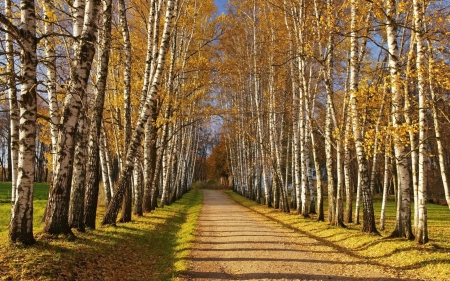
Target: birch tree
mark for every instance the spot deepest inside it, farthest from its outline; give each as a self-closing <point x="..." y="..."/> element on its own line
<point x="21" y="223"/>
<point x="368" y="212"/>
<point x="403" y="220"/>
<point x="50" y="65"/>
<point x="422" y="227"/>
<point x="126" y="210"/>
<point x="56" y="219"/>
<point x="95" y="142"/>
<point x="113" y="208"/>
<point x="13" y="106"/>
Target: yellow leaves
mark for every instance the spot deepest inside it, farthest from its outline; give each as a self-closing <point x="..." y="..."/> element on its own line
<point x="151" y="247"/>
<point x="441" y="74"/>
<point x="403" y="6"/>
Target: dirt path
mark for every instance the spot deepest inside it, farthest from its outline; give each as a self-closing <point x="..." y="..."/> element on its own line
<point x="234" y="243"/>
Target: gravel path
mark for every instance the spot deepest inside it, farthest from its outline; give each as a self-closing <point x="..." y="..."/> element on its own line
<point x="234" y="243"/>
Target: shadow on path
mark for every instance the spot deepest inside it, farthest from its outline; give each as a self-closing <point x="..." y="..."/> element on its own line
<point x="234" y="243"/>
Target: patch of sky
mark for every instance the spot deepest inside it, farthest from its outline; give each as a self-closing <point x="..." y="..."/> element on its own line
<point x="221" y="6"/>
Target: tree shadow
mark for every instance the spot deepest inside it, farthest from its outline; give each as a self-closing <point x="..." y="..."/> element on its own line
<point x="275" y="276"/>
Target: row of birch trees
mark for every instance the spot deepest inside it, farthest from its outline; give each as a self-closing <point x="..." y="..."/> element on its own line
<point x="344" y="97"/>
<point x="119" y="90"/>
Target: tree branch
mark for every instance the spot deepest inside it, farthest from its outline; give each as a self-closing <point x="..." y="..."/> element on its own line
<point x="10" y="28"/>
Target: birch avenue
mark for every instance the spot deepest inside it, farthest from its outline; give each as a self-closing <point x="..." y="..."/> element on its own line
<point x="113" y="208"/>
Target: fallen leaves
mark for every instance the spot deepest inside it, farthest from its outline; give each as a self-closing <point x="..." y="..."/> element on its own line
<point x="145" y="249"/>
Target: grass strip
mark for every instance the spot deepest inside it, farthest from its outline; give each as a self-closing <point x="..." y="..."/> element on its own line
<point x="427" y="262"/>
<point x="151" y="247"/>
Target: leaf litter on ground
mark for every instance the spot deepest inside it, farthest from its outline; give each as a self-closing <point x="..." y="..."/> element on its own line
<point x="151" y="247"/>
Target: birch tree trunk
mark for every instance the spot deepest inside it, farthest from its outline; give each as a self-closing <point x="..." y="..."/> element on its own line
<point x="411" y="130"/>
<point x="150" y="139"/>
<point x="108" y="158"/>
<point x="50" y="65"/>
<point x="150" y="158"/>
<point x="13" y="107"/>
<point x="328" y="121"/>
<point x="303" y="204"/>
<point x="156" y="176"/>
<point x="422" y="226"/>
<point x="347" y="179"/>
<point x="275" y="151"/>
<point x="319" y="206"/>
<point x="165" y="161"/>
<point x="386" y="180"/>
<point x="127" y="201"/>
<point x="138" y="188"/>
<point x="437" y="130"/>
<point x="105" y="176"/>
<point x="368" y="212"/>
<point x="113" y="208"/>
<point x="56" y="218"/>
<point x="403" y="220"/>
<point x="258" y="103"/>
<point x="308" y="145"/>
<point x="92" y="184"/>
<point x="21" y="223"/>
<point x="339" y="212"/>
<point x="76" y="203"/>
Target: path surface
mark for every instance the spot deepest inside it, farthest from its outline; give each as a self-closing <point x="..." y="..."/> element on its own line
<point x="234" y="243"/>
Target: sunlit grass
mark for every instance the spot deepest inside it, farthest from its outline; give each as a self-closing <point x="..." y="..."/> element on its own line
<point x="40" y="196"/>
<point x="151" y="247"/>
<point x="429" y="262"/>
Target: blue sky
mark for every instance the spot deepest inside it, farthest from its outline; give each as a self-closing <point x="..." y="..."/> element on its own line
<point x="221" y="4"/>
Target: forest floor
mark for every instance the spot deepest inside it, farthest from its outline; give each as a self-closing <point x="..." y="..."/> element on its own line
<point x="150" y="247"/>
<point x="235" y="243"/>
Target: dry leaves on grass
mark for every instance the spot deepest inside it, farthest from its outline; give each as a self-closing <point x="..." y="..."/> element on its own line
<point x="144" y="249"/>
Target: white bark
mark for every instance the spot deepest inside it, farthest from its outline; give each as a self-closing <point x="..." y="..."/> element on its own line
<point x="50" y="64"/>
<point x="104" y="143"/>
<point x="368" y="213"/>
<point x="411" y="130"/>
<point x="13" y="107"/>
<point x="111" y="214"/>
<point x="328" y="61"/>
<point x="437" y="131"/>
<point x="422" y="226"/>
<point x="92" y="184"/>
<point x="21" y="223"/>
<point x="403" y="220"/>
<point x="105" y="177"/>
<point x="386" y="180"/>
<point x="78" y="184"/>
<point x="150" y="153"/>
<point x="302" y="132"/>
<point x="308" y="143"/>
<point x="347" y="179"/>
<point x="138" y="187"/>
<point x="328" y="121"/>
<point x="166" y="159"/>
<point x="56" y="220"/>
<point x="339" y="213"/>
<point x="126" y="215"/>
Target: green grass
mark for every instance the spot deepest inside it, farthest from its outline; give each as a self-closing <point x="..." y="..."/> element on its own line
<point x="428" y="262"/>
<point x="40" y="192"/>
<point x="151" y="247"/>
<point x="40" y="196"/>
